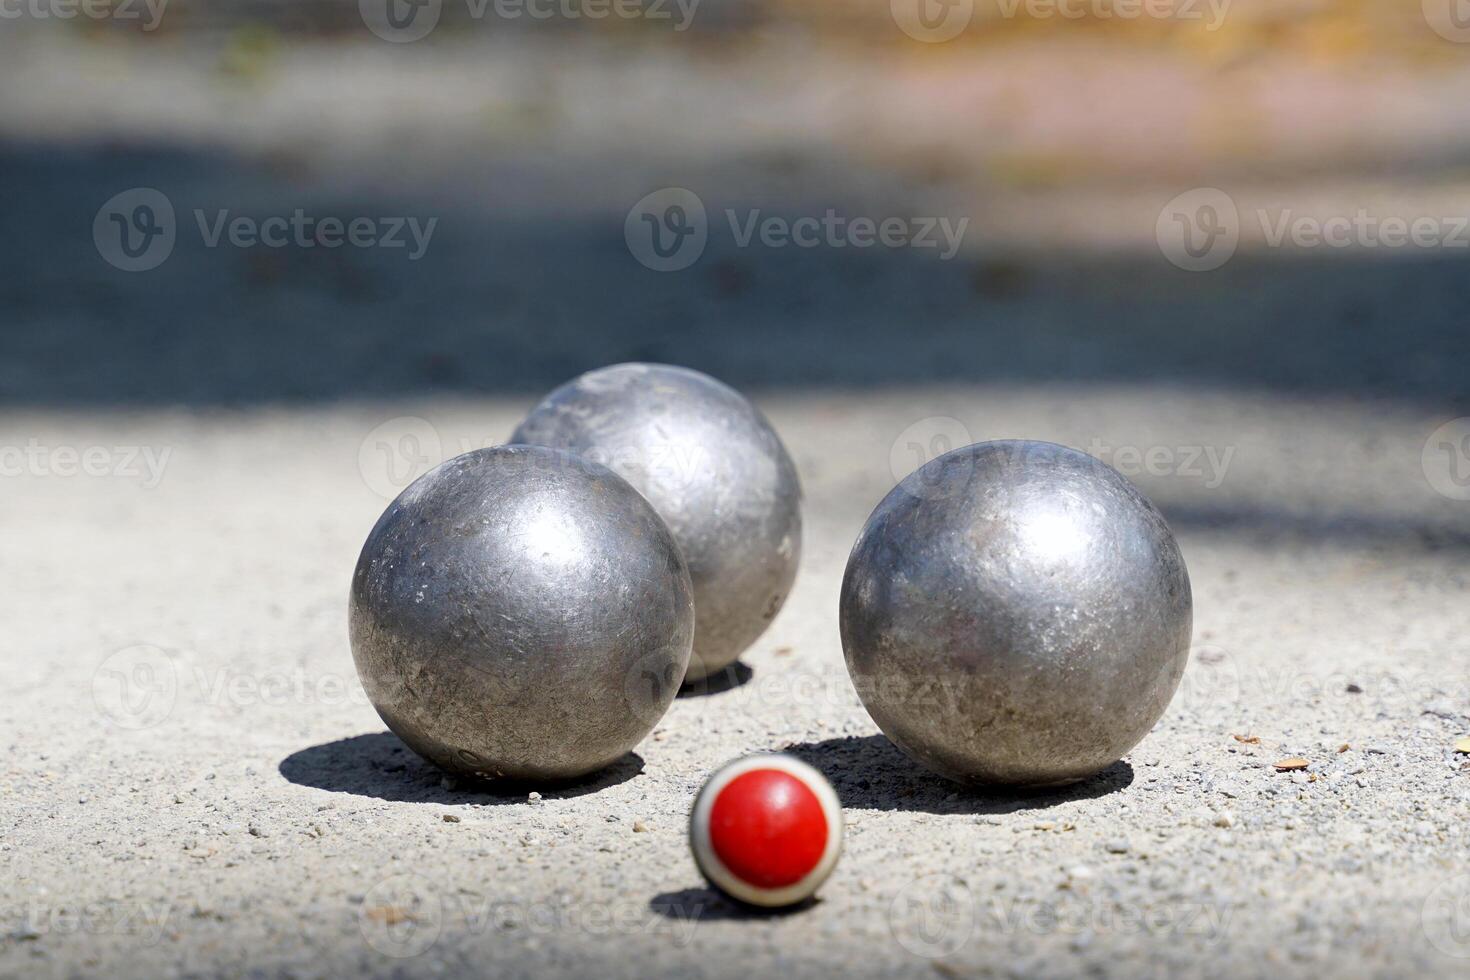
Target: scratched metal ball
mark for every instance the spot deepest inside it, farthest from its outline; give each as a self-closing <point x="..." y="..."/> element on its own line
<point x="716" y="472"/>
<point x="1016" y="612"/>
<point x="521" y="612"/>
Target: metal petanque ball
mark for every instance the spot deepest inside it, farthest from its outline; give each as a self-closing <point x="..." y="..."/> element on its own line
<point x="521" y="612"/>
<point x="1016" y="612"/>
<point x="712" y="467"/>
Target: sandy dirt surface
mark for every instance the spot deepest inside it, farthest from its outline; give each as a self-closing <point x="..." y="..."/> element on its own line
<point x="193" y="782"/>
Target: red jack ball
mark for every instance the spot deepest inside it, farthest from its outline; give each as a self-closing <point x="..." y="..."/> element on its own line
<point x="766" y="830"/>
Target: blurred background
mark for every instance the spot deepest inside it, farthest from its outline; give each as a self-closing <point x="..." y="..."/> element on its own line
<point x="1057" y="130"/>
<point x="265" y="262"/>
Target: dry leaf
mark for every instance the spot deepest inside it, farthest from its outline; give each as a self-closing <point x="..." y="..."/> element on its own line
<point x="1248" y="739"/>
<point x="1288" y="765"/>
<point x="389" y="915"/>
<point x="1462" y="744"/>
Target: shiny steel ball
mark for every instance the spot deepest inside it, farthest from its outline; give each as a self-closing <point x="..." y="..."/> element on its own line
<point x="521" y="612"/>
<point x="766" y="830"/>
<point x="1016" y="612"/>
<point x="712" y="467"/>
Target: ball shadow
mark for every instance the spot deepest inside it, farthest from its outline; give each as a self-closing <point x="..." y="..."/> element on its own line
<point x="707" y="904"/>
<point x="379" y="765"/>
<point x="871" y="773"/>
<point x="725" y="679"/>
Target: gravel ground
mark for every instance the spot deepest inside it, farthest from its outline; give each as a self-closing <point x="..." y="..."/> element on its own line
<point x="242" y="810"/>
<point x="194" y="784"/>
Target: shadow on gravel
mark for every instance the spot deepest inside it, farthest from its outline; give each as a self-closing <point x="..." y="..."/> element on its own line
<point x="381" y="766"/>
<point x="214" y="324"/>
<point x="706" y="904"/>
<point x="1270" y="526"/>
<point x="731" y="677"/>
<point x="871" y="773"/>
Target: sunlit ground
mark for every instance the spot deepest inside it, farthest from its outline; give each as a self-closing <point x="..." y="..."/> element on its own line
<point x="1228" y="259"/>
